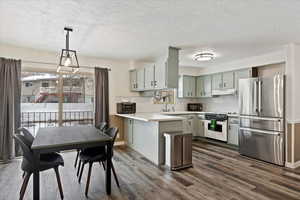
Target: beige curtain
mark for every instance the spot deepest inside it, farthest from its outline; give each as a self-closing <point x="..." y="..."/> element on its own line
<point x="101" y="96"/>
<point x="10" y="103"/>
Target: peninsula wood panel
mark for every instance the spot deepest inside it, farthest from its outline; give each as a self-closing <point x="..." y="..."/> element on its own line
<point x="116" y="121"/>
<point x="218" y="174"/>
<point x="297" y="142"/>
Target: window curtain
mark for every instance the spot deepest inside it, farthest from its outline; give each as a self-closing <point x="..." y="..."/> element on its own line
<point x="101" y="96"/>
<point x="10" y="103"/>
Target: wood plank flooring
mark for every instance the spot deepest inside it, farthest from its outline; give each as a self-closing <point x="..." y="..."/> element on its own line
<point x="218" y="174"/>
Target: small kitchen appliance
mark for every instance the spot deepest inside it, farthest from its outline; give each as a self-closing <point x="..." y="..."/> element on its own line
<point x="126" y="108"/>
<point x="196" y="107"/>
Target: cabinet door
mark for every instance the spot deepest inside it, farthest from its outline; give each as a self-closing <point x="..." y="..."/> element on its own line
<point x="149" y="77"/>
<point x="228" y="80"/>
<point x="207" y="86"/>
<point x="133" y="80"/>
<point x="200" y="86"/>
<point x="192" y="86"/>
<point x="186" y="86"/>
<point x="140" y="79"/>
<point x="128" y="129"/>
<point x="200" y="128"/>
<point x="160" y="75"/>
<point x="217" y="83"/>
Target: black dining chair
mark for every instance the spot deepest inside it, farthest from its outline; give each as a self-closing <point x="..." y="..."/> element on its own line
<point x="91" y="155"/>
<point x="47" y="161"/>
<point x="102" y="127"/>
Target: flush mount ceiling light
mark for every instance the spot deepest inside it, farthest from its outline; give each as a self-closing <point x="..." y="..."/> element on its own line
<point x="204" y="56"/>
<point x="68" y="62"/>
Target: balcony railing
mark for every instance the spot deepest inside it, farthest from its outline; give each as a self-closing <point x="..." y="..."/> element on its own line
<point x="52" y="90"/>
<point x="35" y="120"/>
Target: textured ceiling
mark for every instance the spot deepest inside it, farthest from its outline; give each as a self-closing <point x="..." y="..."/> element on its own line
<point x="142" y="30"/>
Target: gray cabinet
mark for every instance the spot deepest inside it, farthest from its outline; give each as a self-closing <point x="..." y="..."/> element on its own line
<point x="187" y="86"/>
<point x="128" y="130"/>
<point x="217" y="82"/>
<point x="133" y="80"/>
<point x="140" y="73"/>
<point x="233" y="131"/>
<point x="149" y="77"/>
<point x="228" y="80"/>
<point x="203" y="86"/>
<point x="162" y="74"/>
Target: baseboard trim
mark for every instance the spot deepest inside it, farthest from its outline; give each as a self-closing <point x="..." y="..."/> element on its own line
<point x="293" y="165"/>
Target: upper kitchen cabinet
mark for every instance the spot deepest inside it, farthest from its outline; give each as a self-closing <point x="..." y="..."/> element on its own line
<point x="149" y="77"/>
<point x="133" y="79"/>
<point x="162" y="74"/>
<point x="203" y="86"/>
<point x="223" y="83"/>
<point x="140" y="74"/>
<point x="187" y="86"/>
<point x="137" y="79"/>
<point x="228" y="80"/>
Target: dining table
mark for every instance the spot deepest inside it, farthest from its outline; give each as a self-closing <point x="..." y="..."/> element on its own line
<point x="56" y="139"/>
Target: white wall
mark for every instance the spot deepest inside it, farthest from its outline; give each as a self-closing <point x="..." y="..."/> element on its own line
<point x="293" y="83"/>
<point x="265" y="59"/>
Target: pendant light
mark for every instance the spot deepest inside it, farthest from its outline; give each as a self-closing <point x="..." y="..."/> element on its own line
<point x="68" y="62"/>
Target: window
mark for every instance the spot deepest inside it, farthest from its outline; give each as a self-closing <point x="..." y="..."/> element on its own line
<point x="28" y="84"/>
<point x="40" y="102"/>
<point x="45" y="84"/>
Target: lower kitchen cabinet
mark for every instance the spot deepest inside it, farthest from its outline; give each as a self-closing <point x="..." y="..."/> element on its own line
<point x="233" y="131"/>
<point x="147" y="137"/>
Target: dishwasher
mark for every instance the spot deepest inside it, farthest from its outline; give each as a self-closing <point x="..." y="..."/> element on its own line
<point x="233" y="131"/>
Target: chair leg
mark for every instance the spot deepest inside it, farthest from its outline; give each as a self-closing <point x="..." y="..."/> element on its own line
<point x="103" y="165"/>
<point x="59" y="182"/>
<point x="24" y="185"/>
<point x="23" y="175"/>
<point x="88" y="179"/>
<point x="79" y="165"/>
<point x="115" y="175"/>
<point x="76" y="160"/>
<point x="82" y="167"/>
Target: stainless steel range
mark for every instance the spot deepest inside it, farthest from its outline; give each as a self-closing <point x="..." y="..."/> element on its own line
<point x="216" y="126"/>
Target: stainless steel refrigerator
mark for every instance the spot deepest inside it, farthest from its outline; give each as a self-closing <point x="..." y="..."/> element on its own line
<point x="262" y="118"/>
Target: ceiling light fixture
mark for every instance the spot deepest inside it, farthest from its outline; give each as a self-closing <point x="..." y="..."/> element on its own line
<point x="68" y="62"/>
<point x="204" y="56"/>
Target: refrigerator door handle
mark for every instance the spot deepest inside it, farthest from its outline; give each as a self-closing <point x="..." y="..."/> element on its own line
<point x="262" y="118"/>
<point x="255" y="96"/>
<point x="261" y="131"/>
<point x="259" y="96"/>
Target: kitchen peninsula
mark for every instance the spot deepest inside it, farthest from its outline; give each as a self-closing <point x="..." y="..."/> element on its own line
<point x="144" y="133"/>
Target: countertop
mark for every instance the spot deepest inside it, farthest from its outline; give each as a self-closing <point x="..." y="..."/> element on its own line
<point x="151" y="117"/>
<point x="166" y="116"/>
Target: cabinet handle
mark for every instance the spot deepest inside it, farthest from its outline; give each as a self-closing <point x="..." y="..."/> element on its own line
<point x="224" y="84"/>
<point x="151" y="83"/>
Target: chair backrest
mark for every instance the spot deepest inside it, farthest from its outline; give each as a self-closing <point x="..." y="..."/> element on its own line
<point x="112" y="132"/>
<point x="28" y="136"/>
<point x="102" y="126"/>
<point x="27" y="153"/>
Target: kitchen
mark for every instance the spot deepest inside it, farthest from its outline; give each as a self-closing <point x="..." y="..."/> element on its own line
<point x="216" y="109"/>
<point x="150" y="100"/>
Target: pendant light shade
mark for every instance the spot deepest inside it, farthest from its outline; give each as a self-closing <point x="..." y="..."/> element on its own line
<point x="68" y="62"/>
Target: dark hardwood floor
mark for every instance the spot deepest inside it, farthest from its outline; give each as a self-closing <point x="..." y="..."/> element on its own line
<point x="218" y="174"/>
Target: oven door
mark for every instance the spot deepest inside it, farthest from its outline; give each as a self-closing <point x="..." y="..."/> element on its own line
<point x="218" y="133"/>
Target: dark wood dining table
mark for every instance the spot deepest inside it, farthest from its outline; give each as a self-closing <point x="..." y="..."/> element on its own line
<point x="65" y="138"/>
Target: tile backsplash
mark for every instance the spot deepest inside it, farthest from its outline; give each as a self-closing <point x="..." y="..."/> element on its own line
<point x="145" y="104"/>
<point x="227" y="103"/>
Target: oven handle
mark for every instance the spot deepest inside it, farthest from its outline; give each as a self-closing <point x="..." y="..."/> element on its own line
<point x="261" y="131"/>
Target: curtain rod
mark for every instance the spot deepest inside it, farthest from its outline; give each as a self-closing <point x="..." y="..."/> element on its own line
<point x="50" y="63"/>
